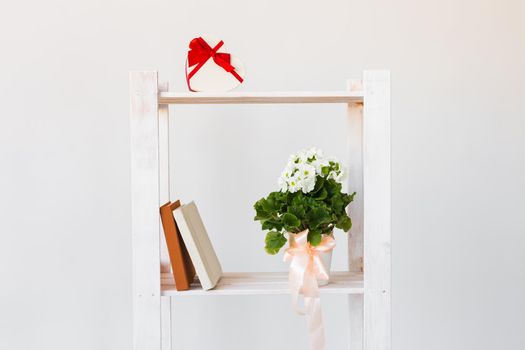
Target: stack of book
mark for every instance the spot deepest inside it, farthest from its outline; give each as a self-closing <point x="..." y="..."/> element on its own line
<point x="189" y="246"/>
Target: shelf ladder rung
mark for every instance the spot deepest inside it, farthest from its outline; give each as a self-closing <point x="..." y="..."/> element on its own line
<point x="260" y="97"/>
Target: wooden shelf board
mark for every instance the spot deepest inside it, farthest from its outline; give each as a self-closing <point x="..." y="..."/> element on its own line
<point x="260" y="97"/>
<point x="259" y="283"/>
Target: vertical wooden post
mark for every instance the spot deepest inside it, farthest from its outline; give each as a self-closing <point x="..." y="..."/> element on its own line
<point x="377" y="215"/>
<point x="164" y="174"/>
<point x="145" y="210"/>
<point x="164" y="197"/>
<point x="355" y="239"/>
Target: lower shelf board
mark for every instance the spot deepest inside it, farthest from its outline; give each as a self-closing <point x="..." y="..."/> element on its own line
<point x="260" y="283"/>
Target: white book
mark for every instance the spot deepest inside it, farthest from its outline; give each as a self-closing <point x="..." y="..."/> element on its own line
<point x="202" y="254"/>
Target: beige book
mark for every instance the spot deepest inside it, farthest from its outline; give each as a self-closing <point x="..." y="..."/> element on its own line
<point x="199" y="246"/>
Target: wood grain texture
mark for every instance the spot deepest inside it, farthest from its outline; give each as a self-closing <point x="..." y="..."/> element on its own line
<point x="261" y="283"/>
<point x="144" y="210"/>
<point x="355" y="210"/>
<point x="377" y="211"/>
<point x="260" y="97"/>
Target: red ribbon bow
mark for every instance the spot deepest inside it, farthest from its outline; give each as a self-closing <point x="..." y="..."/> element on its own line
<point x="200" y="52"/>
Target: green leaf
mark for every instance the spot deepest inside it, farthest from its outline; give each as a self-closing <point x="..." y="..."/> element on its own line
<point x="333" y="187"/>
<point x="269" y="205"/>
<point x="319" y="183"/>
<point x="314" y="237"/>
<point x="349" y="198"/>
<point x="296" y="198"/>
<point x="297" y="210"/>
<point x="273" y="203"/>
<point x="318" y="216"/>
<point x="321" y="195"/>
<point x="272" y="225"/>
<point x="290" y="220"/>
<point x="337" y="203"/>
<point x="261" y="214"/>
<point x="274" y="242"/>
<point x="344" y="223"/>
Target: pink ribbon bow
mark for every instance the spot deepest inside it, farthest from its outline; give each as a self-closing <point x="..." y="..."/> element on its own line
<point x="306" y="267"/>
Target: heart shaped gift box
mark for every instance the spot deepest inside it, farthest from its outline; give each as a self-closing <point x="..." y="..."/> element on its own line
<point x="209" y="68"/>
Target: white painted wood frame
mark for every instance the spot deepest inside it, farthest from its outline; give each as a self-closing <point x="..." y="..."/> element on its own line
<point x="368" y="247"/>
<point x="164" y="197"/>
<point x="377" y="210"/>
<point x="355" y="209"/>
<point x="145" y="231"/>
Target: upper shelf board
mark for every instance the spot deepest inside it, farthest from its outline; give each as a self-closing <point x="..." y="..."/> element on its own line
<point x="260" y="97"/>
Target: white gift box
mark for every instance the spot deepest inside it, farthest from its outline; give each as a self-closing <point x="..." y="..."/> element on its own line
<point x="212" y="68"/>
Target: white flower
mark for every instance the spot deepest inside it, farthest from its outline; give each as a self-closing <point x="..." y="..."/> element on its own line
<point x="332" y="175"/>
<point x="306" y="176"/>
<point x="319" y="164"/>
<point x="283" y="185"/>
<point x="293" y="159"/>
<point x="287" y="173"/>
<point x="308" y="185"/>
<point x="284" y="178"/>
<point x="341" y="176"/>
<point x="293" y="185"/>
<point x="302" y="169"/>
<point x="306" y="170"/>
<point x="314" y="154"/>
<point x="297" y="158"/>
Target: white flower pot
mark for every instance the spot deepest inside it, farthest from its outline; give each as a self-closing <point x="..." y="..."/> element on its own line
<point x="326" y="258"/>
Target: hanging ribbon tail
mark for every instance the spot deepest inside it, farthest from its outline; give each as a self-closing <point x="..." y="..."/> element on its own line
<point x="223" y="59"/>
<point x="298" y="265"/>
<point x="306" y="267"/>
<point x="314" y="321"/>
<point x="312" y="301"/>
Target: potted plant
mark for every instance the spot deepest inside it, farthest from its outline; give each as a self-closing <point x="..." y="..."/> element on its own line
<point x="309" y="203"/>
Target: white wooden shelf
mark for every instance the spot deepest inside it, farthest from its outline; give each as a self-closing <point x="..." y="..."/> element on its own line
<point x="260" y="97"/>
<point x="259" y="283"/>
<point x="367" y="103"/>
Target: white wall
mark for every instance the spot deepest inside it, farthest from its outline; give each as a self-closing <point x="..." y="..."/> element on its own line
<point x="458" y="147"/>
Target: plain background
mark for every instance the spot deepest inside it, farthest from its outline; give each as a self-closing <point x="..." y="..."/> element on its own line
<point x="458" y="170"/>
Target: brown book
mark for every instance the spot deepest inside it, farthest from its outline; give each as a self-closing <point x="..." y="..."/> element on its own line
<point x="181" y="265"/>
